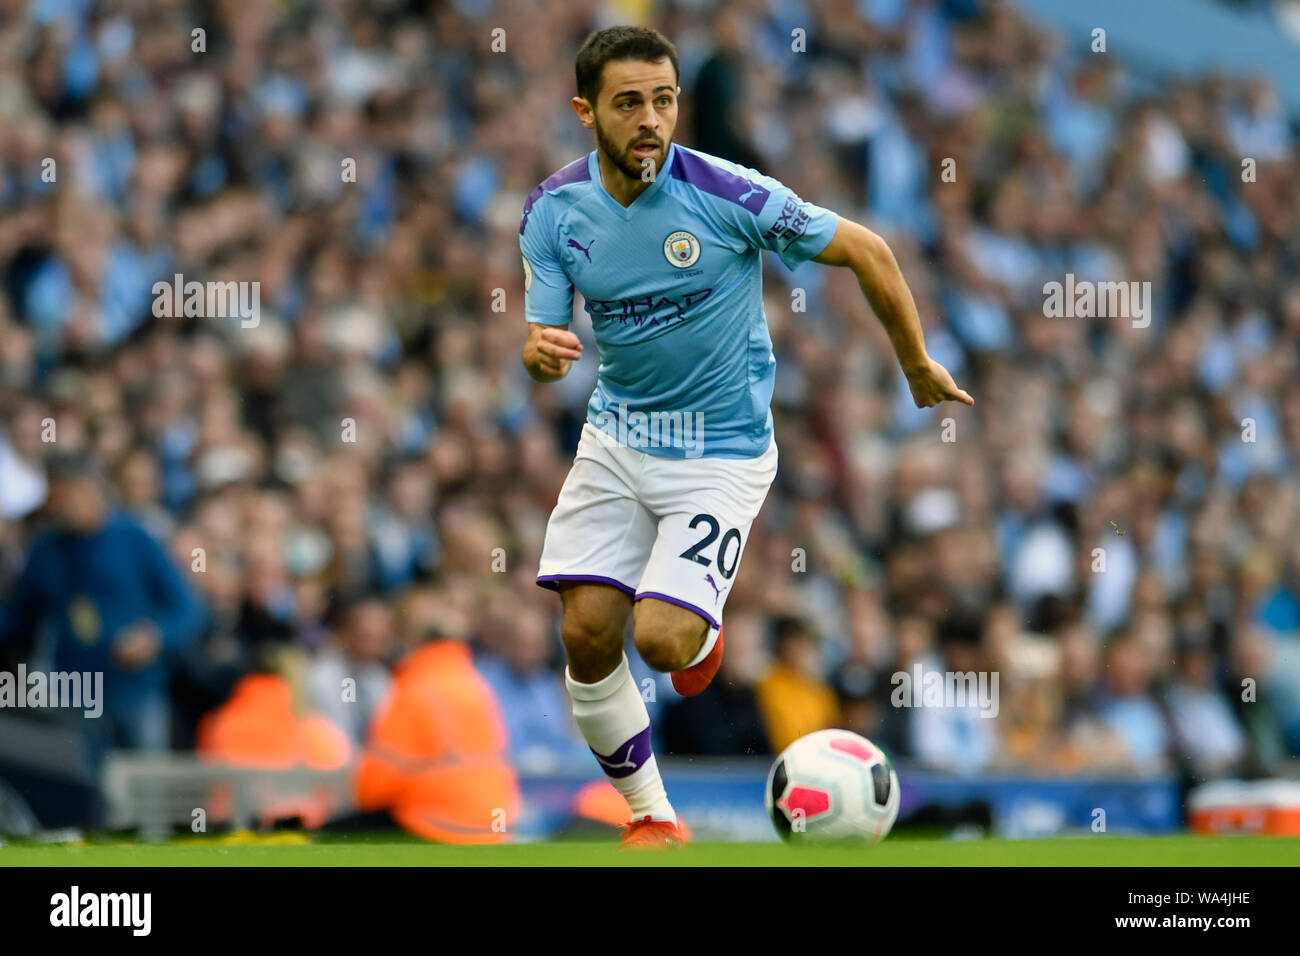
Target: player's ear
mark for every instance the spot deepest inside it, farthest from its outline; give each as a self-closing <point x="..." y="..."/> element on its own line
<point x="583" y="109"/>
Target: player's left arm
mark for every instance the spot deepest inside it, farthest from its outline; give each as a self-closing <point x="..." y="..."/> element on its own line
<point x="873" y="262"/>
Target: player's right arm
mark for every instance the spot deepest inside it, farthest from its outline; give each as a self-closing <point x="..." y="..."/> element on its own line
<point x="551" y="348"/>
<point x="550" y="351"/>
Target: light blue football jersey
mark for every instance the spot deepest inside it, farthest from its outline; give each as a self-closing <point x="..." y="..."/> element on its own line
<point x="674" y="287"/>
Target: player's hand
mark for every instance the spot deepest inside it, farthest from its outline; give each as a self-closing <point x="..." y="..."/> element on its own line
<point x="136" y="646"/>
<point x="550" y="353"/>
<point x="931" y="384"/>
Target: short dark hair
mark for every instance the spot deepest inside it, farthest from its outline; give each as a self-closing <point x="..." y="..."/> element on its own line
<point x="343" y="605"/>
<point x="619" y="43"/>
<point x="77" y="465"/>
<point x="959" y="629"/>
<point x="789" y="627"/>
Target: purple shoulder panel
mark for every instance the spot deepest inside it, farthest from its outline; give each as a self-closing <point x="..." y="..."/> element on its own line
<point x="703" y="175"/>
<point x="575" y="172"/>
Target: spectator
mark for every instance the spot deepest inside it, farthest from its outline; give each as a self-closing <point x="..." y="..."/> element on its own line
<point x="348" y="681"/>
<point x="23" y="488"/>
<point x="1086" y="742"/>
<point x="914" y="640"/>
<point x="436" y="756"/>
<point x="538" y="715"/>
<point x="403" y="536"/>
<point x="719" y="94"/>
<point x="861" y="681"/>
<point x="1260" y="712"/>
<point x="112" y="601"/>
<point x="1127" y="705"/>
<point x="792" y="695"/>
<point x="263" y="726"/>
<point x="960" y="735"/>
<point x="1207" y="738"/>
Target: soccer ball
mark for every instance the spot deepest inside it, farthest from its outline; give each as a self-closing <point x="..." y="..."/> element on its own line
<point x="832" y="786"/>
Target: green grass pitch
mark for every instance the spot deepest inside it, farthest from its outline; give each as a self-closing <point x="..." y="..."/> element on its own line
<point x="1084" y="850"/>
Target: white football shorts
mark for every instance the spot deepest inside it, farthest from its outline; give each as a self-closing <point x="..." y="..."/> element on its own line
<point x="667" y="528"/>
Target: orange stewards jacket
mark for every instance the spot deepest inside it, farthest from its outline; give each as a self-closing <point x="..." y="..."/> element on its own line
<point x="436" y="753"/>
<point x="257" y="728"/>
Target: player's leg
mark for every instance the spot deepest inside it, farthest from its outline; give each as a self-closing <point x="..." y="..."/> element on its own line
<point x="680" y="641"/>
<point x="598" y="540"/>
<point x="592" y="628"/>
<point x="668" y="637"/>
<point x="707" y="507"/>
<point x="607" y="703"/>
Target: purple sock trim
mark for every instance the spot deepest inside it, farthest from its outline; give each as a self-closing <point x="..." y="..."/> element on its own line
<point x="628" y="757"/>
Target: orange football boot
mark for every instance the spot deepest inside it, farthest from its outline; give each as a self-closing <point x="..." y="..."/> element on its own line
<point x="650" y="834"/>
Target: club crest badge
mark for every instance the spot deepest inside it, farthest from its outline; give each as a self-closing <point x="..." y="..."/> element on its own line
<point x="681" y="249"/>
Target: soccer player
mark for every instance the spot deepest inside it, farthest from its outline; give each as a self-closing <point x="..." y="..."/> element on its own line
<point x="677" y="453"/>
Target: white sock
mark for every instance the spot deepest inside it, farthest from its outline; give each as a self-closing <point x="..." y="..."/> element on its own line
<point x="614" y="720"/>
<point x="710" y="641"/>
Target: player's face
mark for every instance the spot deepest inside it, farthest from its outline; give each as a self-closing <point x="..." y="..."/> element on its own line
<point x="635" y="114"/>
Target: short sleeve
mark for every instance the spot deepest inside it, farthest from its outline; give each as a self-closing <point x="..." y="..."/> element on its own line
<point x="794" y="229"/>
<point x="548" y="293"/>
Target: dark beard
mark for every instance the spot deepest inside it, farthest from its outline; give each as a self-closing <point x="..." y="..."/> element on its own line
<point x="628" y="164"/>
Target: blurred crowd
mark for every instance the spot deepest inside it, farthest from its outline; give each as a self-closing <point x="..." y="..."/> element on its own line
<point x="1112" y="529"/>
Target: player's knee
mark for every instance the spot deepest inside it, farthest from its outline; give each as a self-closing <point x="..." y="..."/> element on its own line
<point x="667" y="641"/>
<point x="590" y="640"/>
